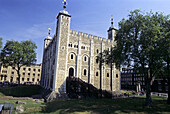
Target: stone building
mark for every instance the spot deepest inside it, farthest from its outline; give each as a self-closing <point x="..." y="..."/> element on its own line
<point x="31" y="74"/>
<point x="74" y="54"/>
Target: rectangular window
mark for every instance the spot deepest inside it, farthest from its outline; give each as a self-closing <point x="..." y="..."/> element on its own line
<point x="4" y="71"/>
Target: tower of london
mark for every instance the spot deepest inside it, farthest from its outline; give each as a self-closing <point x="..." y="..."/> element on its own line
<point x="74" y="54"/>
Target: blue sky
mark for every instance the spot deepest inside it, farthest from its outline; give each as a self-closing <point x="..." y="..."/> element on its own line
<point x="30" y="19"/>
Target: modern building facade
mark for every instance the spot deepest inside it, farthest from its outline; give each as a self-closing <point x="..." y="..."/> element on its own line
<point x="74" y="54"/>
<point x="131" y="80"/>
<point x="31" y="74"/>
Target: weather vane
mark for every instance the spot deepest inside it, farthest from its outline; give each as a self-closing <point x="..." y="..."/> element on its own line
<point x="112" y="20"/>
<point x="65" y="3"/>
<point x="49" y="31"/>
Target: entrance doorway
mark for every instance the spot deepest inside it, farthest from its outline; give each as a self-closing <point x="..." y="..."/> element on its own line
<point x="71" y="72"/>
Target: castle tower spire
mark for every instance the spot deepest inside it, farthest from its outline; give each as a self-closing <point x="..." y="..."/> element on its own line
<point x="111" y="31"/>
<point x="48" y="39"/>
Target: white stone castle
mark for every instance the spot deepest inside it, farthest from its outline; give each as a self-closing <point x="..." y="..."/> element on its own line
<point x="74" y="54"/>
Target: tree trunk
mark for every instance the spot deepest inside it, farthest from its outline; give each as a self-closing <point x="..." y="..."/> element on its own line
<point x="148" y="89"/>
<point x="168" y="100"/>
<point x="148" y="94"/>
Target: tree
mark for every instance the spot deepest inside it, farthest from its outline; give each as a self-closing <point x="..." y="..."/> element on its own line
<point x="0" y="42"/>
<point x="165" y="45"/>
<point x="17" y="54"/>
<point x="138" y="45"/>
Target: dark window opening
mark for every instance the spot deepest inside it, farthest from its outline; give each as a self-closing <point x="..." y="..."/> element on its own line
<point x="71" y="56"/>
<point x="116" y="75"/>
<point x="97" y="73"/>
<point x="85" y="72"/>
<point x="107" y="74"/>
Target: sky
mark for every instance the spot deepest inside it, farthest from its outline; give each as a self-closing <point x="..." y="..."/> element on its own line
<point x="30" y="19"/>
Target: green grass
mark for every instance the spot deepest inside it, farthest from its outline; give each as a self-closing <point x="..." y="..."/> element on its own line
<point x="127" y="105"/>
<point x="29" y="107"/>
<point x="99" y="106"/>
<point x="85" y="106"/>
<point x="20" y="91"/>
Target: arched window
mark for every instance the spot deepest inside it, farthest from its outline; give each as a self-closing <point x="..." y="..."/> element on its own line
<point x="85" y="72"/>
<point x="107" y="74"/>
<point x="97" y="61"/>
<point x="97" y="73"/>
<point x="72" y="56"/>
<point x="85" y="58"/>
<point x="97" y="51"/>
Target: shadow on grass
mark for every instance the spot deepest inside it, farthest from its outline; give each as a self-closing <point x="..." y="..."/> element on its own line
<point x="21" y="91"/>
<point x="126" y="105"/>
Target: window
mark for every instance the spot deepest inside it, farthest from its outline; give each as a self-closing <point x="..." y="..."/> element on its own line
<point x="85" y="58"/>
<point x="5" y="66"/>
<point x="22" y="79"/>
<point x="29" y="69"/>
<point x="97" y="73"/>
<point x="107" y="74"/>
<point x="62" y="47"/>
<point x="28" y="79"/>
<point x="116" y="75"/>
<point x="23" y="73"/>
<point x="29" y="74"/>
<point x="38" y="74"/>
<point x="11" y="79"/>
<point x="82" y="47"/>
<point x="97" y="51"/>
<point x="33" y="79"/>
<point x="12" y="73"/>
<point x="4" y="71"/>
<point x="97" y="61"/>
<point x="38" y="70"/>
<point x="34" y="69"/>
<point x="13" y="67"/>
<point x="33" y="74"/>
<point x="24" y="68"/>
<point x="5" y="77"/>
<point x="85" y="72"/>
<point x="75" y="46"/>
<point x="1" y="77"/>
<point x="37" y="80"/>
<point x="72" y="56"/>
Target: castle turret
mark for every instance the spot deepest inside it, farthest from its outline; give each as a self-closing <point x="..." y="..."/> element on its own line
<point x="48" y="39"/>
<point x="62" y="39"/>
<point x="111" y="31"/>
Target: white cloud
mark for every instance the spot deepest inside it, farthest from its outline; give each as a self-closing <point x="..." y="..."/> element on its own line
<point x="36" y="31"/>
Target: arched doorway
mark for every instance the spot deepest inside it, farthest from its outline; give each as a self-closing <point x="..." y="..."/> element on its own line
<point x="71" y="72"/>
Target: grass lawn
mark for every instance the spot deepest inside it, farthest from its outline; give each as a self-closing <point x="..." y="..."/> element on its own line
<point x="87" y="106"/>
<point x="102" y="106"/>
<point x="98" y="106"/>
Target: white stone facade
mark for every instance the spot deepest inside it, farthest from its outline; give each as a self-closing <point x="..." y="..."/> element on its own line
<point x="72" y="53"/>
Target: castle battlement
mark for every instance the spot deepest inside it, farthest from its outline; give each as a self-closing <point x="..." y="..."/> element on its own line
<point x="90" y="36"/>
